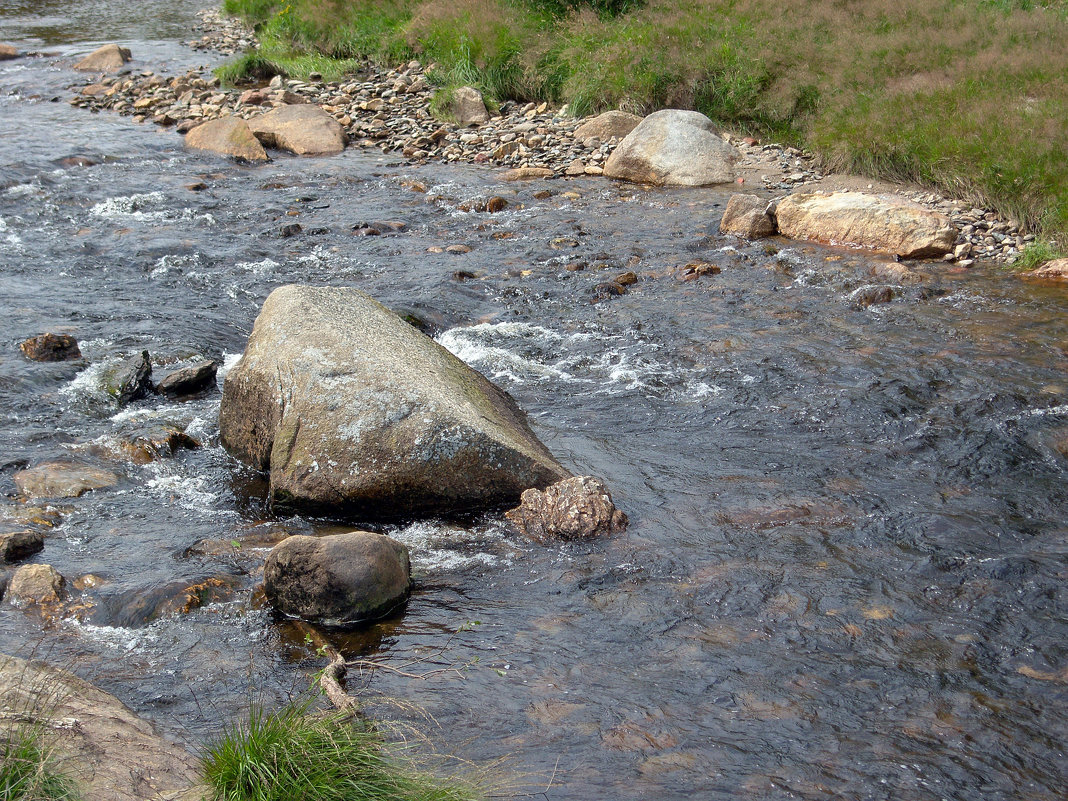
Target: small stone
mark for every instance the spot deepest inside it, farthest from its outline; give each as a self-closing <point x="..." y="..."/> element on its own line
<point x="36" y="584"/>
<point x="574" y="508"/>
<point x="51" y="348"/>
<point x="292" y="229"/>
<point x="457" y="249"/>
<point x="626" y="279"/>
<point x="496" y="204"/>
<point x="526" y="174"/>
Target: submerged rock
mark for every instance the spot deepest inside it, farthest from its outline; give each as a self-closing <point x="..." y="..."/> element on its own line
<point x="51" y="348"/>
<point x="604" y="126"/>
<point x="8" y="52"/>
<point x="147" y="442"/>
<point x="16" y="545"/>
<point x="575" y="508"/>
<point x="468" y="107"/>
<point x="355" y="412"/>
<point x="673" y="148"/>
<point x="306" y="130"/>
<point x="526" y="174"/>
<point x="228" y="136"/>
<point x="882" y="222"/>
<point x="747" y="216"/>
<point x="104" y="59"/>
<point x="339" y="579"/>
<point x="189" y="380"/>
<point x="62" y="480"/>
<point x="36" y="584"/>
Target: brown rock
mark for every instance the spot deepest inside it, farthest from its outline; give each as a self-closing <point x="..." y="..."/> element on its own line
<point x="104" y="59"/>
<point x="8" y="52"/>
<point x="303" y="129"/>
<point x="605" y="126"/>
<point x="96" y="90"/>
<point x="575" y="508"/>
<point x="746" y="216"/>
<point x="881" y="222"/>
<point x="51" y="348"/>
<point x="16" y="545"/>
<point x="496" y="204"/>
<point x="151" y="442"/>
<point x="228" y="136"/>
<point x="1055" y="271"/>
<point x="339" y="579"/>
<point x="468" y="107"/>
<point x="62" y="480"/>
<point x="189" y="380"/>
<point x="36" y="584"/>
<point x="526" y="174"/>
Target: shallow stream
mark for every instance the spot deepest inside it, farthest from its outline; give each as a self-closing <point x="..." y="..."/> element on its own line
<point x="846" y="567"/>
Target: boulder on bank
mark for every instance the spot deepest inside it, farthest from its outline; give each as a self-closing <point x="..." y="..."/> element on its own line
<point x="111" y="752"/>
<point x="355" y="412"/>
<point x="62" y="480"/>
<point x="8" y="52"/>
<point x="1055" y="271"/>
<point x="881" y="222"/>
<point x="673" y="148"/>
<point x="579" y="507"/>
<point x="306" y="130"/>
<point x="468" y="107"/>
<point x="51" y="348"/>
<point x="747" y="216"/>
<point x="337" y="580"/>
<point x="616" y="124"/>
<point x="228" y="136"/>
<point x="104" y="59"/>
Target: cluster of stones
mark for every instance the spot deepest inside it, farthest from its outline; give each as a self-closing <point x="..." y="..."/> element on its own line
<point x="226" y="35"/>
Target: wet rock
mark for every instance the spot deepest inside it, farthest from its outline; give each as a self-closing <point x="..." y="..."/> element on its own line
<point x="227" y="136"/>
<point x="8" y="52"/>
<point x="355" y="412"/>
<point x="526" y="174"/>
<point x="339" y="579"/>
<point x="51" y="348"/>
<point x="151" y="442"/>
<point x="108" y="58"/>
<point x="16" y="545"/>
<point x="575" y="508"/>
<point x="130" y="380"/>
<point x="1055" y="271"/>
<point x="305" y="130"/>
<point x="468" y="107"/>
<point x="747" y="216"/>
<point x="62" y="480"/>
<point x="673" y="148"/>
<point x="604" y="126"/>
<point x="290" y="230"/>
<point x="496" y="204"/>
<point x="696" y="269"/>
<point x="871" y="296"/>
<point x="114" y="754"/>
<point x="628" y="278"/>
<point x="189" y="380"/>
<point x="608" y="289"/>
<point x="143" y="605"/>
<point x="36" y="584"/>
<point x="882" y="222"/>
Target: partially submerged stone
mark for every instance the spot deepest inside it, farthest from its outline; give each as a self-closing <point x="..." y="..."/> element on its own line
<point x="306" y="130"/>
<point x="189" y="380"/>
<point x="881" y="222"/>
<point x="51" y="348"/>
<point x="108" y="58"/>
<point x="579" y="507"/>
<point x="673" y="148"/>
<point x="36" y="585"/>
<point x="356" y="413"/>
<point x="610" y="124"/>
<point x="526" y="174"/>
<point x="227" y="136"/>
<point x="337" y="580"/>
<point x="62" y="480"/>
<point x="468" y="107"/>
<point x="147" y="442"/>
<point x="1055" y="271"/>
<point x="747" y="216"/>
<point x="130" y="380"/>
<point x="17" y="545"/>
<point x="8" y="52"/>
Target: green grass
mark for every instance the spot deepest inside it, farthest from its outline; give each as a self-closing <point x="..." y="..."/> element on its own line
<point x="28" y="769"/>
<point x="295" y="753"/>
<point x="1036" y="254"/>
<point x="966" y="96"/>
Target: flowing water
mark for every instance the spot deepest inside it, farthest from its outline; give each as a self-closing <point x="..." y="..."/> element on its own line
<point x="845" y="572"/>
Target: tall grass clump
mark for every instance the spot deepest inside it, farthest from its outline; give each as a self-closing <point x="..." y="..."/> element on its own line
<point x="296" y="753"/>
<point x="28" y="769"/>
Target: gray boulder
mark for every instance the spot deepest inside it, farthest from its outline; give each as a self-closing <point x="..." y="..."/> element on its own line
<point x="604" y="126"/>
<point x="579" y="507"/>
<point x="306" y="130"/>
<point x="337" y="580"/>
<point x="227" y="136"/>
<point x="747" y="216"/>
<point x="468" y="107"/>
<point x="673" y="148"/>
<point x="355" y="412"/>
<point x="104" y="59"/>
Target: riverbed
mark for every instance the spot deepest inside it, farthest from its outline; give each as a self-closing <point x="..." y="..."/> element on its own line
<point x="845" y="571"/>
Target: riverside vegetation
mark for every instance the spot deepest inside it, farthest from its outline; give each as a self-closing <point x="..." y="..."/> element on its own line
<point x="966" y="96"/>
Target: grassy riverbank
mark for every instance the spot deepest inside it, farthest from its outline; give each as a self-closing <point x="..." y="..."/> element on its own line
<point x="969" y="96"/>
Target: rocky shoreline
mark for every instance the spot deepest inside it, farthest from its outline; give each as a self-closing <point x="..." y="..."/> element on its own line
<point x="389" y="110"/>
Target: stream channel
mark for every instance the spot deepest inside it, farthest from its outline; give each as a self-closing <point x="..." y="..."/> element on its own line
<point x="846" y="567"/>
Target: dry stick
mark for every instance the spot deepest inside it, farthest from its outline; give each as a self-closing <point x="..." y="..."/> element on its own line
<point x="333" y="673"/>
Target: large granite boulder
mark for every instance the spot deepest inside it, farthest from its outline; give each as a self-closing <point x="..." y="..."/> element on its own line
<point x="110" y="752"/>
<point x="579" y="507"/>
<point x="108" y="58"/>
<point x="337" y="580"/>
<point x="468" y="107"/>
<point x="306" y="130"/>
<point x="673" y="148"/>
<point x="887" y="223"/>
<point x="228" y="136"/>
<point x="747" y="216"/>
<point x="356" y="413"/>
<point x="616" y="124"/>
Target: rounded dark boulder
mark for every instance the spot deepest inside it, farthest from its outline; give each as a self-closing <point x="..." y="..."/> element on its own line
<point x="337" y="580"/>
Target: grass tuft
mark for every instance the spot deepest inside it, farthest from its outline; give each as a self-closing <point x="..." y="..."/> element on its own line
<point x="28" y="770"/>
<point x="295" y="753"/>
